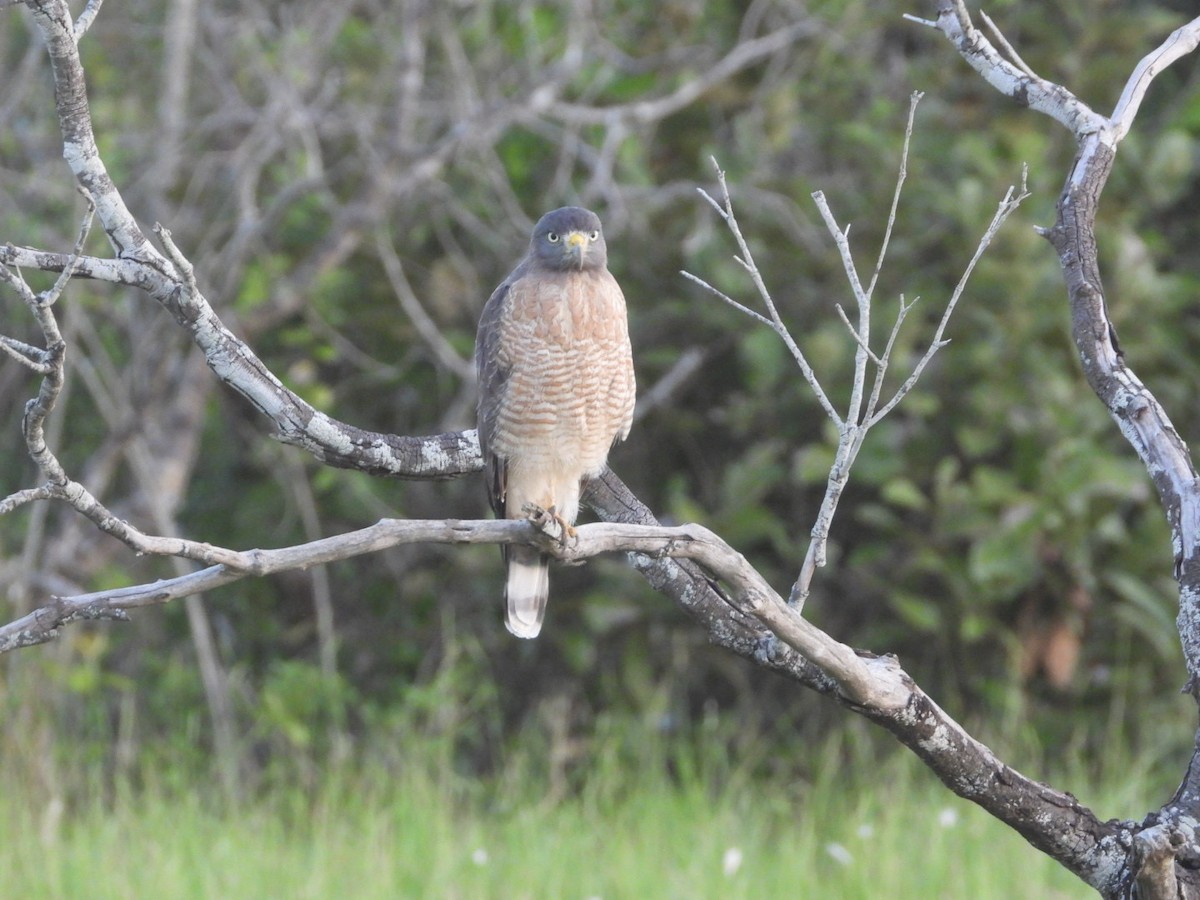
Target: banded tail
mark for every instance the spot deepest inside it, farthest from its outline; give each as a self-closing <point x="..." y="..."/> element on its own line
<point x="526" y="591"/>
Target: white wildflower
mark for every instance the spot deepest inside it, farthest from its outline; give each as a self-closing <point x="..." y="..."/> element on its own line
<point x="839" y="853"/>
<point x="732" y="861"/>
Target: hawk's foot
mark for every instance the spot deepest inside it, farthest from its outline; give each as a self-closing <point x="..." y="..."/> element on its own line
<point x="542" y="518"/>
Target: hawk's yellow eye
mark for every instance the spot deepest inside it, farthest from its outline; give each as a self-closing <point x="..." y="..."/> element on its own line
<point x="552" y="237"/>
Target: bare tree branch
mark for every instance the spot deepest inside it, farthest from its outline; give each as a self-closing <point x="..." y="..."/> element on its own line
<point x="740" y="307"/>
<point x="1182" y="41"/>
<point x="1051" y="820"/>
<point x="139" y="263"/>
<point x="1037" y="93"/>
<point x="113" y="271"/>
<point x="86" y="18"/>
<point x="901" y="175"/>
<point x="32" y="358"/>
<point x="1153" y="861"/>
<point x="858" y="422"/>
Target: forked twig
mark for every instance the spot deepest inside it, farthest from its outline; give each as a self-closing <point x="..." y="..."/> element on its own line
<point x="863" y="410"/>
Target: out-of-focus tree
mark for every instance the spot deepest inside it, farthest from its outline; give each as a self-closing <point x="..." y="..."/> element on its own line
<point x="351" y="180"/>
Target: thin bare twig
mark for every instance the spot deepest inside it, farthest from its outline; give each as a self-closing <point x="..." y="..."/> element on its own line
<point x="901" y="175"/>
<point x="665" y="388"/>
<point x="858" y="338"/>
<point x="85" y="226"/>
<point x="841" y="237"/>
<point x="33" y="358"/>
<point x="928" y="23"/>
<point x="745" y="310"/>
<point x="86" y="18"/>
<point x="775" y="322"/>
<point x="1006" y="46"/>
<point x="885" y="359"/>
<point x="425" y="326"/>
<point x="1012" y="200"/>
<point x="857" y="422"/>
<point x="18" y="499"/>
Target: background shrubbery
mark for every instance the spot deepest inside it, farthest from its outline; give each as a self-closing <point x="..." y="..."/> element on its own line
<point x="997" y="534"/>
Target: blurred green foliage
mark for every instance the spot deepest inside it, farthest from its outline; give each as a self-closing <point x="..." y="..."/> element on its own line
<point x="997" y="533"/>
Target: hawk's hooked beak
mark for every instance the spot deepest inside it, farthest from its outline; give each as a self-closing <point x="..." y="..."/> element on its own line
<point x="576" y="244"/>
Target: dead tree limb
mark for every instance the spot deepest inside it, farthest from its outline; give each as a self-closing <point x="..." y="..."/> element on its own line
<point x="1155" y="853"/>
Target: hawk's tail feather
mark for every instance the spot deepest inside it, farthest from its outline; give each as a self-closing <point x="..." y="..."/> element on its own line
<point x="526" y="593"/>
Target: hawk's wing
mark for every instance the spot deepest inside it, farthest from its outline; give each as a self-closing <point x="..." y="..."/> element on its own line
<point x="492" y="369"/>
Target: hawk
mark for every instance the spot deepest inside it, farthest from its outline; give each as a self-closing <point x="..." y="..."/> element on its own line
<point x="556" y="389"/>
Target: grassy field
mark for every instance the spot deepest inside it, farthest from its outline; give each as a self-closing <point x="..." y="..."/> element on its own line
<point x="625" y="831"/>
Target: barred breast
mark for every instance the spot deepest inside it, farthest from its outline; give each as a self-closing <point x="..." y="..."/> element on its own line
<point x="571" y="389"/>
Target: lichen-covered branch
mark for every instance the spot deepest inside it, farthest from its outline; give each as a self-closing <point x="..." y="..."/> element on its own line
<point x="164" y="276"/>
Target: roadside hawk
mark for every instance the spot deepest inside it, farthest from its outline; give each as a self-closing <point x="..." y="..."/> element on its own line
<point x="556" y="389"/>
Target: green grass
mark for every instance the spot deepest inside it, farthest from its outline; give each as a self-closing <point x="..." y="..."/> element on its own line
<point x="627" y="830"/>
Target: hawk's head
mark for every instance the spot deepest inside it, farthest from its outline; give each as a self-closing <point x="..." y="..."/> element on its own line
<point x="569" y="238"/>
